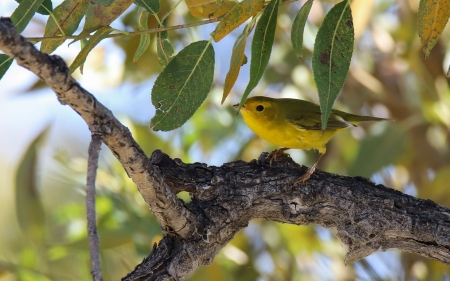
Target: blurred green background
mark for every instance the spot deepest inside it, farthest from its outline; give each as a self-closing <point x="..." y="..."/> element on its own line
<point x="43" y="148"/>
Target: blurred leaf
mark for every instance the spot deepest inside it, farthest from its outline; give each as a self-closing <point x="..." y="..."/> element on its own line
<point x="151" y="6"/>
<point x="44" y="8"/>
<point x="182" y="86"/>
<point x="433" y="16"/>
<point x="298" y="27"/>
<point x="164" y="48"/>
<point x="377" y="152"/>
<point x="29" y="209"/>
<point x="209" y="8"/>
<point x="5" y="63"/>
<point x="237" y="16"/>
<point x="145" y="38"/>
<point x="23" y="14"/>
<point x="238" y="59"/>
<point x="98" y="16"/>
<point x="69" y="15"/>
<point x="262" y="46"/>
<point x="332" y="54"/>
<point x="93" y="41"/>
<point x="104" y="3"/>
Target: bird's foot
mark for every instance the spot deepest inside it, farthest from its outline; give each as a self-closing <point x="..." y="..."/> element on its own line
<point x="306" y="176"/>
<point x="276" y="153"/>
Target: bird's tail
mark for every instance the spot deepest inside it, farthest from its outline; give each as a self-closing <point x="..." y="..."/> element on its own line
<point x="355" y="119"/>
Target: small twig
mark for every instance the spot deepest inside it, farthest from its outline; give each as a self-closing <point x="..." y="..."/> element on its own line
<point x="94" y="151"/>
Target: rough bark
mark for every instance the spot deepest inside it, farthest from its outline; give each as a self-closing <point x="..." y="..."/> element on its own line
<point x="367" y="217"/>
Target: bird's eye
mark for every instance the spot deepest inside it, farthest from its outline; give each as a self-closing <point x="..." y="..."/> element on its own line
<point x="259" y="108"/>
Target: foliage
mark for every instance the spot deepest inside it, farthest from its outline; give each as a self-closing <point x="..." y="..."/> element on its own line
<point x="383" y="73"/>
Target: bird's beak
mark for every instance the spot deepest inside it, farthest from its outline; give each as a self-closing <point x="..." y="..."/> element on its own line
<point x="236" y="105"/>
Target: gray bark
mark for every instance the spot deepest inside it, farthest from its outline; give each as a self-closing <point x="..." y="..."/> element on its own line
<point x="367" y="217"/>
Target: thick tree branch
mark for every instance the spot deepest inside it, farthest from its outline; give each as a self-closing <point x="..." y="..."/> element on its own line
<point x="367" y="217"/>
<point x="163" y="202"/>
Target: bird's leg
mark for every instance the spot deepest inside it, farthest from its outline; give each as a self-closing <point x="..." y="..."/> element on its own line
<point x="278" y="152"/>
<point x="310" y="171"/>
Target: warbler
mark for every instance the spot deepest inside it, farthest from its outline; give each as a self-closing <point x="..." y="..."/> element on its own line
<point x="295" y="123"/>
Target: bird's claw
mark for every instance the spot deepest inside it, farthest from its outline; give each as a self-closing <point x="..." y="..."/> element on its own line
<point x="276" y="153"/>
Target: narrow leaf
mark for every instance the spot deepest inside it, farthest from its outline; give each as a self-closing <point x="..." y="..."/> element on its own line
<point x="298" y="27"/>
<point x="68" y="15"/>
<point x="209" y="8"/>
<point x="93" y="41"/>
<point x="151" y="6"/>
<point x="182" y="86"/>
<point x="433" y="16"/>
<point x="262" y="46"/>
<point x="164" y="48"/>
<point x="332" y="54"/>
<point x="237" y="60"/>
<point x="24" y="12"/>
<point x="5" y="63"/>
<point x="29" y="209"/>
<point x="145" y="38"/>
<point x="98" y="16"/>
<point x="237" y="16"/>
<point x="45" y="8"/>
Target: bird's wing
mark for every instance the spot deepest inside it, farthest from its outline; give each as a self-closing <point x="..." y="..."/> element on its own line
<point x="311" y="121"/>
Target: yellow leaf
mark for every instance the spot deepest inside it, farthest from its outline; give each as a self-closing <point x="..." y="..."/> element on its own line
<point x="433" y="16"/>
<point x="237" y="60"/>
<point x="236" y="16"/>
<point x="209" y="8"/>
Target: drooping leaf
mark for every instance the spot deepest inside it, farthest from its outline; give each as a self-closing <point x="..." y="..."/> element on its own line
<point x="45" y="8"/>
<point x="209" y="8"/>
<point x="29" y="209"/>
<point x="24" y="12"/>
<point x="98" y="16"/>
<point x="164" y="48"/>
<point x="332" y="54"/>
<point x="151" y="6"/>
<point x="433" y="16"/>
<point x="5" y="63"/>
<point x="104" y="3"/>
<point x="236" y="16"/>
<point x="182" y="86"/>
<point x="298" y="26"/>
<point x="101" y="33"/>
<point x="261" y="46"/>
<point x="145" y="38"/>
<point x="238" y="59"/>
<point x="68" y="15"/>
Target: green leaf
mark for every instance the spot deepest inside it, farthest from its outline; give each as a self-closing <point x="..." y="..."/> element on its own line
<point x="5" y="63"/>
<point x="68" y="15"/>
<point x="145" y="38"/>
<point x="182" y="86"/>
<point x="164" y="48"/>
<point x="45" y="8"/>
<point x="240" y="12"/>
<point x="151" y="6"/>
<point x="104" y="3"/>
<point x="24" y="13"/>
<point x="332" y="54"/>
<point x="262" y="46"/>
<point x="433" y="17"/>
<point x="98" y="16"/>
<point x="238" y="59"/>
<point x="93" y="41"/>
<point x="298" y="27"/>
<point x="29" y="209"/>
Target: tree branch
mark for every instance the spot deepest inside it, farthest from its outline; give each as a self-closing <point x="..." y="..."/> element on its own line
<point x="367" y="217"/>
<point x="169" y="210"/>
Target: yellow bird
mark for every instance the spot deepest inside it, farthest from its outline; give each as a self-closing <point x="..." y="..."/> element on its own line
<point x="294" y="123"/>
